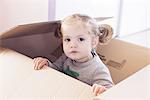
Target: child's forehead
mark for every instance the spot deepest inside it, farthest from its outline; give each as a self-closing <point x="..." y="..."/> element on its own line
<point x="75" y="29"/>
<point x="76" y="26"/>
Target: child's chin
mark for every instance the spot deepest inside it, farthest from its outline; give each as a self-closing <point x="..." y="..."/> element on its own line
<point x="73" y="57"/>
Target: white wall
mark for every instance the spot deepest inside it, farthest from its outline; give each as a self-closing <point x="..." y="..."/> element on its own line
<point x="14" y="12"/>
<point x="135" y="16"/>
<point x="93" y="8"/>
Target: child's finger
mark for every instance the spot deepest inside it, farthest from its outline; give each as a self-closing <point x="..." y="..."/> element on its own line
<point x="93" y="87"/>
<point x="37" y="61"/>
<point x="97" y="90"/>
<point x="101" y="90"/>
<point x="42" y="64"/>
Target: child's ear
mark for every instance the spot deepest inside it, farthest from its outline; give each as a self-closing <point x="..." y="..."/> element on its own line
<point x="95" y="42"/>
<point x="107" y="33"/>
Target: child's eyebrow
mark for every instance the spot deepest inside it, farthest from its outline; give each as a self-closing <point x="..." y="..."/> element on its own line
<point x="66" y="36"/>
<point x="80" y="35"/>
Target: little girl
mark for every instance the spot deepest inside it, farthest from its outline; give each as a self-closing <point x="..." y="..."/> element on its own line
<point x="80" y="35"/>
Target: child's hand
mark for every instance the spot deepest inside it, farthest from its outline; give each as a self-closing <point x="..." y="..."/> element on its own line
<point x="40" y="62"/>
<point x="98" y="89"/>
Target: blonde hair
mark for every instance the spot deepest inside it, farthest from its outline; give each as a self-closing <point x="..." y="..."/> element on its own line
<point x="84" y="20"/>
<point x="103" y="31"/>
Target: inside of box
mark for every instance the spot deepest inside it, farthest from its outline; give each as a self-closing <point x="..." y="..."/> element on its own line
<point x="45" y="45"/>
<point x="123" y="59"/>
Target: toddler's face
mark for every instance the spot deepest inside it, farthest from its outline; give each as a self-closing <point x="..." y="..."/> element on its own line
<point x="77" y="42"/>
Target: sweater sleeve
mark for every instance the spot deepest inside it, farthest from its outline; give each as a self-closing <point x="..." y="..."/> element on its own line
<point x="102" y="76"/>
<point x="58" y="64"/>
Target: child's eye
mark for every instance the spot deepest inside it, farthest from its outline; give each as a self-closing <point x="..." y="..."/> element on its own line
<point x="67" y="40"/>
<point x="81" y="39"/>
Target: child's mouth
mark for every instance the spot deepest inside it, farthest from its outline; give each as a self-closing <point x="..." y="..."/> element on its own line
<point x="73" y="52"/>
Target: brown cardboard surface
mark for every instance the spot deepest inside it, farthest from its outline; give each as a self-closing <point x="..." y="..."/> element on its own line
<point x="20" y="81"/>
<point x="135" y="87"/>
<point x="30" y="29"/>
<point x="33" y="45"/>
<point x="123" y="58"/>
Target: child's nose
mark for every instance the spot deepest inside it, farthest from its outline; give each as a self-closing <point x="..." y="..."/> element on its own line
<point x="73" y="44"/>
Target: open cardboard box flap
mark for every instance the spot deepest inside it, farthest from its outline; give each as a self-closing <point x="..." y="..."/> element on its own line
<point x="30" y="29"/>
<point x="123" y="58"/>
<point x="32" y="40"/>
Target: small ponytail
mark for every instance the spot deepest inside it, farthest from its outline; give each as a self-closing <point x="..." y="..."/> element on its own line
<point x="106" y="33"/>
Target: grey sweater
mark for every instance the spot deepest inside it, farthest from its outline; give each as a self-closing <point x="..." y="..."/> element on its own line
<point x="90" y="72"/>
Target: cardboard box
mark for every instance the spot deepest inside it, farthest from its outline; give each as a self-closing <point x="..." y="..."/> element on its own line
<point x="123" y="58"/>
<point x="135" y="87"/>
<point x="20" y="81"/>
<point x="18" y="78"/>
